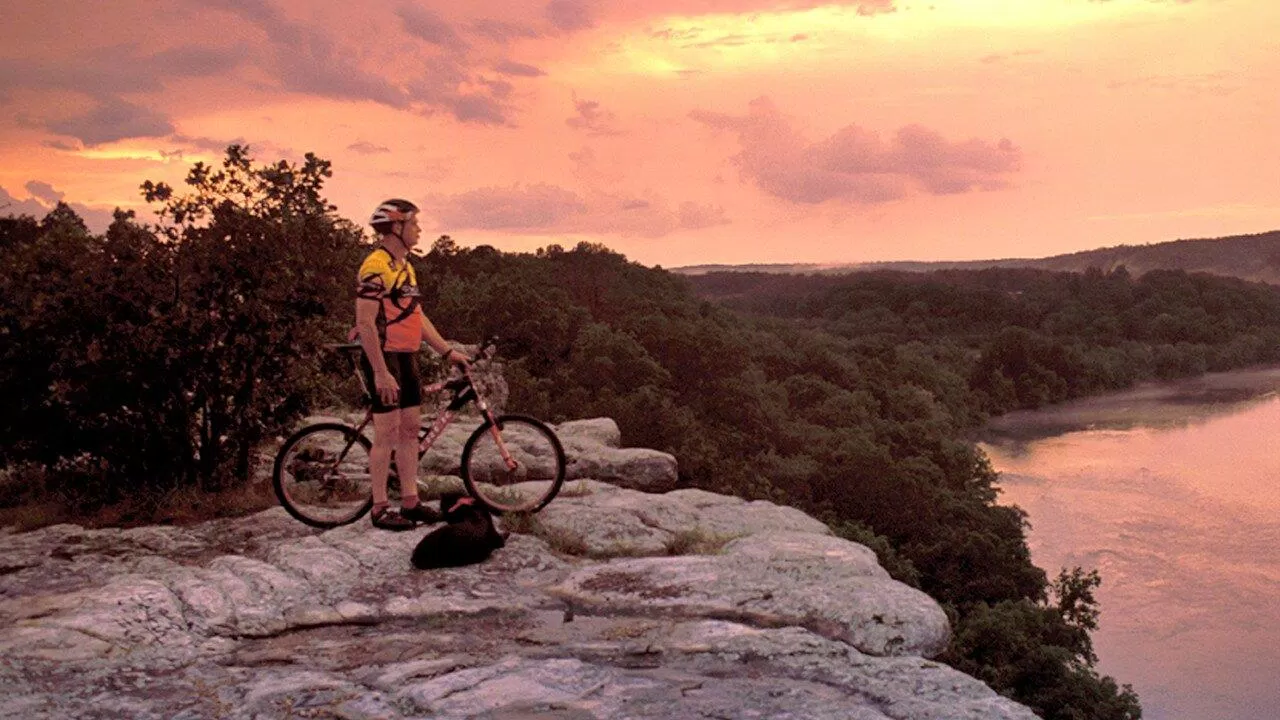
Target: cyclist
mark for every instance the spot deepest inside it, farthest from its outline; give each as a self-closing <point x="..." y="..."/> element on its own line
<point x="391" y="326"/>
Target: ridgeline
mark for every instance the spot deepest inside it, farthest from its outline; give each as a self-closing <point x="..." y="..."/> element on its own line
<point x="1254" y="257"/>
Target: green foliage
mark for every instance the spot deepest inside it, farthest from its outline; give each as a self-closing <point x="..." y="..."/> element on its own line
<point x="899" y="568"/>
<point x="1040" y="653"/>
<point x="1024" y="338"/>
<point x="152" y="358"/>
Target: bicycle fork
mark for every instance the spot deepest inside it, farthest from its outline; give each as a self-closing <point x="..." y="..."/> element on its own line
<point x="496" y="432"/>
<point x="447" y="416"/>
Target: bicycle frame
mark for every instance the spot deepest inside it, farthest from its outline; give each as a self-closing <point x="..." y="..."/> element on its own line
<point x="465" y="391"/>
<point x="318" y="483"/>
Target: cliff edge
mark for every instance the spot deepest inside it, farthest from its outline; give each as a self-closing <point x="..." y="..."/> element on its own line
<point x="611" y="603"/>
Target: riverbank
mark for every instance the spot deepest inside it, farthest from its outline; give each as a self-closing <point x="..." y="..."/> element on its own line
<point x="1153" y="405"/>
<point x="1170" y="492"/>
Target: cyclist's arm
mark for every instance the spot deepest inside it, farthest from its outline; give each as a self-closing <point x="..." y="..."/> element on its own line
<point x="367" y="326"/>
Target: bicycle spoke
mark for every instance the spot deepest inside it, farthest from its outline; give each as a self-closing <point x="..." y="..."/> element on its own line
<point x="518" y="468"/>
<point x="322" y="475"/>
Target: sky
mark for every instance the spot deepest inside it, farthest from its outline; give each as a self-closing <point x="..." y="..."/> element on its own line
<point x="677" y="132"/>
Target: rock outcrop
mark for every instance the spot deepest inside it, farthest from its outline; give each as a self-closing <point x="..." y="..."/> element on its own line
<point x="592" y="449"/>
<point x="610" y="603"/>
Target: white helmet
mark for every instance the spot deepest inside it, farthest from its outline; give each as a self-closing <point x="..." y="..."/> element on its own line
<point x="390" y="212"/>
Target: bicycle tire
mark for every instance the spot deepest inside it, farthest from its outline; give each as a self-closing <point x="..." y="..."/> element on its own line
<point x="536" y="480"/>
<point x="319" y="479"/>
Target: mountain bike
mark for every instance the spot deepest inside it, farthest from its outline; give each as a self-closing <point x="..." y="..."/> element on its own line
<point x="510" y="463"/>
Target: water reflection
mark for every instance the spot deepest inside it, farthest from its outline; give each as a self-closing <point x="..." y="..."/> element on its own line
<point x="1174" y="494"/>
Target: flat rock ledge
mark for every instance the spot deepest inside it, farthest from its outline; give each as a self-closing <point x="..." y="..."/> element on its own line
<point x="593" y="450"/>
<point x="611" y="603"/>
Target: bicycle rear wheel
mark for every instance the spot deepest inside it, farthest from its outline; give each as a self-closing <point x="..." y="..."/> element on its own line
<point x="321" y="475"/>
<point x="532" y="477"/>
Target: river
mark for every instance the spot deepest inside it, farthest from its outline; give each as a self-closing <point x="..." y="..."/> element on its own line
<point x="1173" y="493"/>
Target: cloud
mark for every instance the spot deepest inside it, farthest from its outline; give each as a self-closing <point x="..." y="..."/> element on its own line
<point x="193" y="61"/>
<point x="367" y="148"/>
<point x="510" y="67"/>
<point x="318" y="61"/>
<point x="544" y="208"/>
<point x="118" y="68"/>
<point x="693" y="8"/>
<point x="587" y="168"/>
<point x="45" y="198"/>
<point x="570" y="15"/>
<point x="503" y="31"/>
<point x="592" y="118"/>
<point x="478" y="108"/>
<point x="106" y="75"/>
<point x="533" y="207"/>
<point x="63" y="145"/>
<point x="307" y="60"/>
<point x="428" y="27"/>
<point x="113" y="119"/>
<point x="694" y="216"/>
<point x="259" y="11"/>
<point x="12" y="206"/>
<point x="206" y="143"/>
<point x="44" y="191"/>
<point x="451" y="47"/>
<point x="317" y="66"/>
<point x="857" y="166"/>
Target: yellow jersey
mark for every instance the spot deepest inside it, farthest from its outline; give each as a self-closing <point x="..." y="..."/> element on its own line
<point x="395" y="287"/>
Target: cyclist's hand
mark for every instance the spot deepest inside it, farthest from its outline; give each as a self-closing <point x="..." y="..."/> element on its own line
<point x="388" y="388"/>
<point x="460" y="359"/>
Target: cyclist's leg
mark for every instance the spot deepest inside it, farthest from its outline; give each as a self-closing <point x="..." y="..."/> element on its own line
<point x="386" y="434"/>
<point x="407" y="454"/>
<point x="410" y="415"/>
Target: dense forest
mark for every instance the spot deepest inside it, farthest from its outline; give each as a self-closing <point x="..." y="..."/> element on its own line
<point x="1023" y="337"/>
<point x="169" y="355"/>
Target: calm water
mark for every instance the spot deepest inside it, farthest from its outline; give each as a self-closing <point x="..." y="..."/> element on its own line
<point x="1173" y="493"/>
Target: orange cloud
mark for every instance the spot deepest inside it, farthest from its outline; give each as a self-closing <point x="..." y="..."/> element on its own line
<point x="570" y="15"/>
<point x="104" y="76"/>
<point x="113" y="119"/>
<point x="44" y="197"/>
<point x="592" y="118"/>
<point x="855" y="165"/>
<point x="542" y="208"/>
<point x="428" y="26"/>
<point x="365" y="147"/>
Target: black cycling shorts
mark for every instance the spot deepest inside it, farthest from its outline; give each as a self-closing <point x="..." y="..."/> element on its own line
<point x="403" y="366"/>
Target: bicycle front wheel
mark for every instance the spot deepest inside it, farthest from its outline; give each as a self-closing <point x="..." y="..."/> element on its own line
<point x="513" y="465"/>
<point x="321" y="475"/>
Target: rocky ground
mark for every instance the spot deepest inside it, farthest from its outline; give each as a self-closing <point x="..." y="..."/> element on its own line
<point x="611" y="603"/>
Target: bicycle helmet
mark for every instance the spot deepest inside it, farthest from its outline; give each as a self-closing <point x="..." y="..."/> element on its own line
<point x="389" y="213"/>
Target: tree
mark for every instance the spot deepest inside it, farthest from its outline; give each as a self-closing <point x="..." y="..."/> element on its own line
<point x="154" y="357"/>
<point x="1039" y="653"/>
<point x="260" y="278"/>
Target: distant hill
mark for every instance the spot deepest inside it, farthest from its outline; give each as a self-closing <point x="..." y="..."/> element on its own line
<point x="1250" y="257"/>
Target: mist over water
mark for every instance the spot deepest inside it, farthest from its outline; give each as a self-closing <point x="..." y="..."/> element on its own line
<point x="1173" y="494"/>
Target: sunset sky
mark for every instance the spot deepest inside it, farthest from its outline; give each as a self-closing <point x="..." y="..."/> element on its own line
<point x="676" y="131"/>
